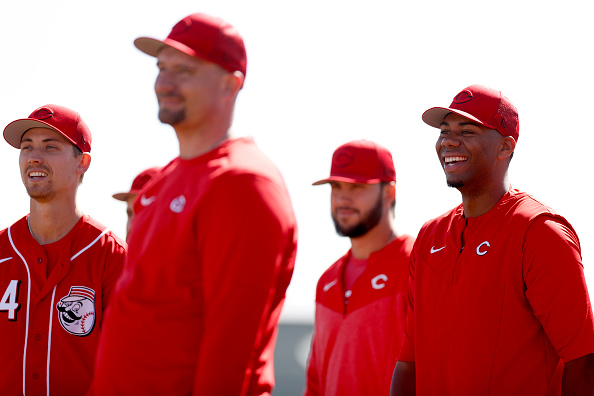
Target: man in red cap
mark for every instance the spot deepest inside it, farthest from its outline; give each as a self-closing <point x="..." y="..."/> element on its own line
<point x="139" y="181"/>
<point x="58" y="265"/>
<point x="213" y="241"/>
<point x="498" y="303"/>
<point x="361" y="299"/>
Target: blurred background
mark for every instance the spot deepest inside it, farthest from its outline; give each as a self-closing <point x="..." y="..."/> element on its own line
<point x="320" y="73"/>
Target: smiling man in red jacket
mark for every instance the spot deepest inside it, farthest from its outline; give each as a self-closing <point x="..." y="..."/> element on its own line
<point x="498" y="303"/>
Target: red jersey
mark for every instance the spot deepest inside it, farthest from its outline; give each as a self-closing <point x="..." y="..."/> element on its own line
<point x="212" y="249"/>
<point x="357" y="336"/>
<point x="497" y="314"/>
<point x="51" y="325"/>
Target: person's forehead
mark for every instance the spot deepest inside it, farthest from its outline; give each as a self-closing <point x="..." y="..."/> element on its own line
<point x="172" y="55"/>
<point x="351" y="184"/>
<point x="44" y="134"/>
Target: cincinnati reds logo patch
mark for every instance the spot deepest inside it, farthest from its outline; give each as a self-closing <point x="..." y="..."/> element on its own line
<point x="43" y="113"/>
<point x="463" y="97"/>
<point x="77" y="311"/>
<point x="343" y="158"/>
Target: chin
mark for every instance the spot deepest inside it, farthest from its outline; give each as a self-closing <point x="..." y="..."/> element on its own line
<point x="455" y="183"/>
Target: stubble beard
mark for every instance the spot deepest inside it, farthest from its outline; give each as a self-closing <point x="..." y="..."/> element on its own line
<point x="172" y="117"/>
<point x="367" y="223"/>
<point x="41" y="195"/>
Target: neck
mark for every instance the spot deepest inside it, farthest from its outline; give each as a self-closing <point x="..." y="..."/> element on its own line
<point x="195" y="141"/>
<point x="50" y="222"/>
<point x="374" y="240"/>
<point x="477" y="203"/>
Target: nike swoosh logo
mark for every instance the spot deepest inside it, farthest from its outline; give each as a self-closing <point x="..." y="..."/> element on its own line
<point x="328" y="285"/>
<point x="144" y="201"/>
<point x="433" y="250"/>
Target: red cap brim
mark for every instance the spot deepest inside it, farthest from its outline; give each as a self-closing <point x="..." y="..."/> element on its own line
<point x="13" y="133"/>
<point x="151" y="46"/>
<point x="435" y="115"/>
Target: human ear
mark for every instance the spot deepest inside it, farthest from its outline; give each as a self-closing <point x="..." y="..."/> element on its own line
<point x="233" y="83"/>
<point x="83" y="163"/>
<point x="390" y="192"/>
<point x="508" y="145"/>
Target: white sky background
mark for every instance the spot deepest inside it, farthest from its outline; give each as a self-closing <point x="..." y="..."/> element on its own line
<point x="320" y="73"/>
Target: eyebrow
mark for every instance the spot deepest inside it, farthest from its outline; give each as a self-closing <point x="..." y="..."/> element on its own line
<point x="43" y="141"/>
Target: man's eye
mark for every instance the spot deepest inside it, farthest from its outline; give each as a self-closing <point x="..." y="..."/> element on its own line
<point x="185" y="71"/>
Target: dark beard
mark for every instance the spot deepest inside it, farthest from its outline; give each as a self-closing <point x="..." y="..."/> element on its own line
<point x="367" y="223"/>
<point x="455" y="184"/>
<point x="170" y="117"/>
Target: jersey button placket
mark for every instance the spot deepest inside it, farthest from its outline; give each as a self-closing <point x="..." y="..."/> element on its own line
<point x="39" y="260"/>
<point x="36" y="376"/>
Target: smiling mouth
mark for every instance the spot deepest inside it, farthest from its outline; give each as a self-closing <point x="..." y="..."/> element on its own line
<point x="35" y="175"/>
<point x="451" y="161"/>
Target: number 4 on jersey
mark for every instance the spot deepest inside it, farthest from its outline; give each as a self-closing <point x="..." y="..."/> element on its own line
<point x="9" y="299"/>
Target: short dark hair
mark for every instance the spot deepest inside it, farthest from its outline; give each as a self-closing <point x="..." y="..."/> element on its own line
<point x="78" y="152"/>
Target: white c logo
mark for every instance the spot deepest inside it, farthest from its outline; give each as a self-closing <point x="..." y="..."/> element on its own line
<point x="376" y="285"/>
<point x="478" y="248"/>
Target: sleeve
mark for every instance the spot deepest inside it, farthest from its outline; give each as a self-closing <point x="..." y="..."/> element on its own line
<point x="114" y="262"/>
<point x="556" y="288"/>
<point x="246" y="238"/>
<point x="407" y="350"/>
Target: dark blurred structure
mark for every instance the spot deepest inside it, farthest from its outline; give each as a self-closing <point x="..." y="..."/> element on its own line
<point x="290" y="357"/>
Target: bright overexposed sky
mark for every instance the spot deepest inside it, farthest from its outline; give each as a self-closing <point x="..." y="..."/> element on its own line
<point x="320" y="73"/>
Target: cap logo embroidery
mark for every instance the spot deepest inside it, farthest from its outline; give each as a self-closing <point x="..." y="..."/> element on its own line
<point x="181" y="27"/>
<point x="343" y="158"/>
<point x="463" y="97"/>
<point x="43" y="113"/>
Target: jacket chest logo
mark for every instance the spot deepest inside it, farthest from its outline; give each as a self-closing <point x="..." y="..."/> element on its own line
<point x="177" y="204"/>
<point x="481" y="249"/>
<point x="379" y="282"/>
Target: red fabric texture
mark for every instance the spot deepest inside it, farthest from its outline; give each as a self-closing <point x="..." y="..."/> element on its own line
<point x="71" y="356"/>
<point x="497" y="315"/>
<point x="356" y="339"/>
<point x="212" y="250"/>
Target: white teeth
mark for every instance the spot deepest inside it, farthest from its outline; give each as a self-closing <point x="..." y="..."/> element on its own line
<point x="37" y="174"/>
<point x="454" y="159"/>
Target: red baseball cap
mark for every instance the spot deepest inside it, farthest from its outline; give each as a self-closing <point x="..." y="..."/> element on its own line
<point x="138" y="182"/>
<point x="203" y="36"/>
<point x="483" y="105"/>
<point x="361" y="161"/>
<point x="59" y="118"/>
